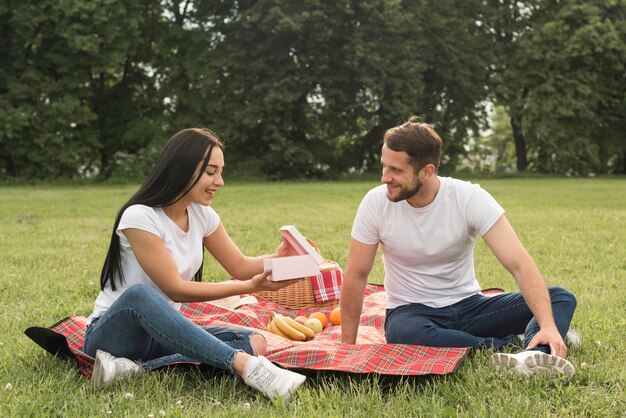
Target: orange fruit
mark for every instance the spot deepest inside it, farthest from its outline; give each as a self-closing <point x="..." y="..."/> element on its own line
<point x="321" y="317"/>
<point x="335" y="316"/>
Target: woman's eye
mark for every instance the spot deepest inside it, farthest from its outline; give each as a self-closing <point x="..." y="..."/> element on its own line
<point x="210" y="173"/>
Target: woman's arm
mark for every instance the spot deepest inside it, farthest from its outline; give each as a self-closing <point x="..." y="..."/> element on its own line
<point x="238" y="265"/>
<point x="156" y="261"/>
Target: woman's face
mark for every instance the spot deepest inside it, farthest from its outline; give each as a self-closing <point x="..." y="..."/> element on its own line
<point x="210" y="181"/>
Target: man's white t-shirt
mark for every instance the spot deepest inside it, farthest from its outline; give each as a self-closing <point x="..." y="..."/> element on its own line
<point x="428" y="252"/>
<point x="186" y="248"/>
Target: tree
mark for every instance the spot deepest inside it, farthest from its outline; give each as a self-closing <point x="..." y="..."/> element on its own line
<point x="76" y="90"/>
<point x="560" y="75"/>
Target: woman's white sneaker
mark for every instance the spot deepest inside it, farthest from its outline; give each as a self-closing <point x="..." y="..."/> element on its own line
<point x="109" y="368"/>
<point x="532" y="362"/>
<point x="271" y="380"/>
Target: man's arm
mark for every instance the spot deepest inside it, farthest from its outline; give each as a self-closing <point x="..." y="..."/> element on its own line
<point x="360" y="261"/>
<point x="506" y="246"/>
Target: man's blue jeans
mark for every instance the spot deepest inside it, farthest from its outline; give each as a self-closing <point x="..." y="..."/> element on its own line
<point x="478" y="321"/>
<point x="141" y="325"/>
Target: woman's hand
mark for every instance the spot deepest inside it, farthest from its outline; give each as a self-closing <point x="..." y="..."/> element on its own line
<point x="262" y="282"/>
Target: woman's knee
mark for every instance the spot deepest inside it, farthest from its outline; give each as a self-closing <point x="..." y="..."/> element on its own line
<point x="258" y="344"/>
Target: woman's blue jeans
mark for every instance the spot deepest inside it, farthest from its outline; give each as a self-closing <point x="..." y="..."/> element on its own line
<point x="479" y="321"/>
<point x="141" y="325"/>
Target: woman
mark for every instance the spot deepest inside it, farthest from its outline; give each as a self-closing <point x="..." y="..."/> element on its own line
<point x="156" y="247"/>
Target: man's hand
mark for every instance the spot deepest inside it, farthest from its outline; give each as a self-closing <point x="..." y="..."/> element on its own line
<point x="552" y="338"/>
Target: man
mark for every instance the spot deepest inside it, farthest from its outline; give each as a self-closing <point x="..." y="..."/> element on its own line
<point x="427" y="228"/>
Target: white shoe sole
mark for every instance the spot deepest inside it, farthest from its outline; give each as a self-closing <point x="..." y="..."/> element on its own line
<point x="537" y="363"/>
<point x="97" y="374"/>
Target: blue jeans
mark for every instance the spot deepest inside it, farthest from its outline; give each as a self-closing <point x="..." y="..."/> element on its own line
<point x="141" y="325"/>
<point x="479" y="321"/>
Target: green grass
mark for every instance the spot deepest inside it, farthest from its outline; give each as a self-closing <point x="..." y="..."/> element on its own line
<point x="53" y="241"/>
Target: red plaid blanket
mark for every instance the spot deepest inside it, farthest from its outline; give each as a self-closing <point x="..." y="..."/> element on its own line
<point x="371" y="354"/>
<point x="327" y="285"/>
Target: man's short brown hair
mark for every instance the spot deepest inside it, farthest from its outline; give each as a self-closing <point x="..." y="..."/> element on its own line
<point x="418" y="139"/>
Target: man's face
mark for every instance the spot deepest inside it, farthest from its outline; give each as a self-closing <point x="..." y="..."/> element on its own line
<point x="399" y="175"/>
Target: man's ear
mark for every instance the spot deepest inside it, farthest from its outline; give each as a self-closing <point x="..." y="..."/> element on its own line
<point x="429" y="170"/>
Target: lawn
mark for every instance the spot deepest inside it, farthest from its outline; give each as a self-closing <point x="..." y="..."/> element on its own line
<point x="53" y="241"/>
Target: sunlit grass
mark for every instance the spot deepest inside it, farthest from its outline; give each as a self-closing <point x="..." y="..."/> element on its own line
<point x="53" y="241"/>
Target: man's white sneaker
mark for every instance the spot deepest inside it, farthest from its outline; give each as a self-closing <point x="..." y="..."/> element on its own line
<point x="271" y="380"/>
<point x="109" y="368"/>
<point x="533" y="362"/>
<point x="572" y="339"/>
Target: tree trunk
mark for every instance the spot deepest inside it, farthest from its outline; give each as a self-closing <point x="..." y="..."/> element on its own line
<point x="620" y="165"/>
<point x="520" y="143"/>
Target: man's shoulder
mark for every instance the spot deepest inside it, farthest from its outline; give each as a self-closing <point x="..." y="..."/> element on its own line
<point x="458" y="183"/>
<point x="458" y="187"/>
<point x="380" y="190"/>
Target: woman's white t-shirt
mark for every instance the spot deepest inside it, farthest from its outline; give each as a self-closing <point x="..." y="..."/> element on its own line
<point x="185" y="248"/>
<point x="428" y="252"/>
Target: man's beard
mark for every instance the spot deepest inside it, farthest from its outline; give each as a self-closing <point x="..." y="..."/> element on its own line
<point x="407" y="193"/>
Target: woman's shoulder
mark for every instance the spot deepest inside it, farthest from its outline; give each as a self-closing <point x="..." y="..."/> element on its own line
<point x="139" y="210"/>
<point x="139" y="214"/>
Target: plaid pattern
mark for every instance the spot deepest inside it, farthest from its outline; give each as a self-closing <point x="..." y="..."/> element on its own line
<point x="327" y="285"/>
<point x="371" y="354"/>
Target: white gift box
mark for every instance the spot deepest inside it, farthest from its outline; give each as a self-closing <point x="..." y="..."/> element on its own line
<point x="297" y="241"/>
<point x="304" y="265"/>
<point x="294" y="267"/>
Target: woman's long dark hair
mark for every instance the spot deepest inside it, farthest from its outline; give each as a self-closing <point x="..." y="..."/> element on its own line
<point x="169" y="180"/>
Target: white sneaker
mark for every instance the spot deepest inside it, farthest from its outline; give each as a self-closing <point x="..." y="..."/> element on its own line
<point x="572" y="339"/>
<point x="109" y="368"/>
<point x="533" y="362"/>
<point x="271" y="380"/>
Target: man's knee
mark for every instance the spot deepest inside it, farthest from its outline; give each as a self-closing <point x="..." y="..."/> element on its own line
<point x="409" y="332"/>
<point x="562" y="296"/>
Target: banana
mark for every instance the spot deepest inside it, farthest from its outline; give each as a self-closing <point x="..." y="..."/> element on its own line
<point x="271" y="327"/>
<point x="308" y="332"/>
<point x="290" y="331"/>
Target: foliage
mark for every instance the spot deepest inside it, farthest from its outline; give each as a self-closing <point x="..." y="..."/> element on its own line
<point x="75" y="92"/>
<point x="306" y="89"/>
<point x="562" y="78"/>
<point x="492" y="151"/>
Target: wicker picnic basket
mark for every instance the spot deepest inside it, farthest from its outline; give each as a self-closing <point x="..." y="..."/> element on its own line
<point x="300" y="294"/>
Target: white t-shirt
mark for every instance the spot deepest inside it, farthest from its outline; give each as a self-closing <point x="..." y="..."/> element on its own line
<point x="428" y="253"/>
<point x="186" y="248"/>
